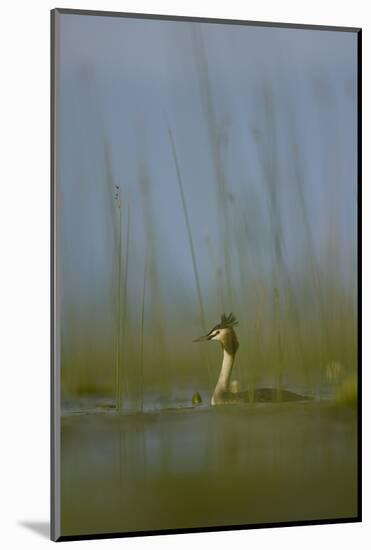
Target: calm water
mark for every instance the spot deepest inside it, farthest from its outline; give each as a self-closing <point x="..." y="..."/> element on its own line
<point x="189" y="468"/>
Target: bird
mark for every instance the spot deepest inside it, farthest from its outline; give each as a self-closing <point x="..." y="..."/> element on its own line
<point x="226" y="392"/>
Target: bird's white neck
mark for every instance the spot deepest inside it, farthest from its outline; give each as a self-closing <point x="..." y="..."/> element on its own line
<point x="224" y="376"/>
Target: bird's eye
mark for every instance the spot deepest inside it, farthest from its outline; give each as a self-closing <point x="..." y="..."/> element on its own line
<point x="213" y="334"/>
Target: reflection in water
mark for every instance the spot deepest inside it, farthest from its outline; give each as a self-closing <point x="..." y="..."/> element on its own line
<point x="180" y="469"/>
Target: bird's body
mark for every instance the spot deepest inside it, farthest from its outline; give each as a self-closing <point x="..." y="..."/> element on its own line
<point x="225" y="393"/>
<point x="259" y="395"/>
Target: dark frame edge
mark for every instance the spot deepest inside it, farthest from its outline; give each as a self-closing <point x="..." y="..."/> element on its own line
<point x="95" y="536"/>
<point x="54" y="487"/>
<point x="52" y="450"/>
<point x="359" y="269"/>
<point x="180" y="18"/>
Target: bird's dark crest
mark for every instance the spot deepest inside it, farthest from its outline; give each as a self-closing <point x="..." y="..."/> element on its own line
<point x="229" y="321"/>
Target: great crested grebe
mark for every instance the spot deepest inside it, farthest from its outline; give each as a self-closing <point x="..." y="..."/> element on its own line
<point x="225" y="392"/>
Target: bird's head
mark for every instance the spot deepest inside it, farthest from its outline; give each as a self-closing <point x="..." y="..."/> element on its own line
<point x="224" y="333"/>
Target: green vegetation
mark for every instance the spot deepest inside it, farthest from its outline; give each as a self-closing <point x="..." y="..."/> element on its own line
<point x="128" y="339"/>
<point x="346" y="394"/>
<point x="196" y="399"/>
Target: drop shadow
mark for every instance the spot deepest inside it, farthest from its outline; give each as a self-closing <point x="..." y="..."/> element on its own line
<point x="42" y="528"/>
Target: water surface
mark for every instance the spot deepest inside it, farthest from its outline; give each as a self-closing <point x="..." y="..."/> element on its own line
<point x="188" y="468"/>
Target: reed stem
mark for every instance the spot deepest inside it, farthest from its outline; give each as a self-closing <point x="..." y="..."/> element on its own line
<point x="142" y="336"/>
<point x="191" y="245"/>
<point x="118" y="349"/>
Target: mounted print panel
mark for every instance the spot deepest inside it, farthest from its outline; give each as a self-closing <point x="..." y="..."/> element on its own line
<point x="205" y="274"/>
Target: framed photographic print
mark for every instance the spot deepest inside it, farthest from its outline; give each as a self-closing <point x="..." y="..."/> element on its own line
<point x="206" y="203"/>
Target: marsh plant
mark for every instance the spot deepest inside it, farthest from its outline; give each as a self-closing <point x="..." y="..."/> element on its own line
<point x="226" y="205"/>
<point x="119" y="304"/>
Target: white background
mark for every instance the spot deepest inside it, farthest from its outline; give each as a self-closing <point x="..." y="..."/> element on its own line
<point x="24" y="269"/>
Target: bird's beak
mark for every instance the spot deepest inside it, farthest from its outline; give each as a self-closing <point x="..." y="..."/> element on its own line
<point x="202" y="339"/>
